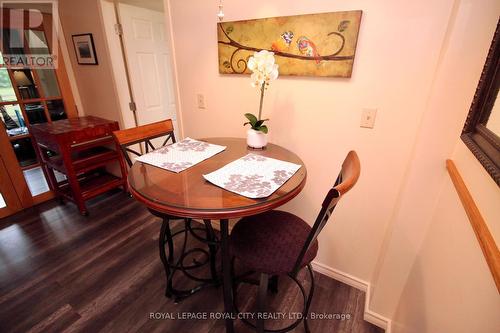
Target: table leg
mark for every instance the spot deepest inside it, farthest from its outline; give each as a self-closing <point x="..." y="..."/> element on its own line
<point x="213" y="249"/>
<point x="227" y="284"/>
<point x="165" y="236"/>
<point x="172" y="264"/>
<point x="73" y="182"/>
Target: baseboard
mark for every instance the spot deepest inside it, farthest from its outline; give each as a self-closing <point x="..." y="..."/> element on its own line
<point x="369" y="315"/>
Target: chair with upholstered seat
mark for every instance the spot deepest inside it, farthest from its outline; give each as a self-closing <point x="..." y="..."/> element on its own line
<point x="278" y="243"/>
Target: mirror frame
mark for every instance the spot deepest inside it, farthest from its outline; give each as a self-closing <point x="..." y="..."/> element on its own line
<point x="483" y="143"/>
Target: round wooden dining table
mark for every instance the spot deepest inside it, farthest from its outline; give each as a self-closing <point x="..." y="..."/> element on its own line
<point x="188" y="195"/>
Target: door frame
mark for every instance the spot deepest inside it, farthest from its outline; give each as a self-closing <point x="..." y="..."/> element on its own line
<point x="7" y="188"/>
<point x="120" y="71"/>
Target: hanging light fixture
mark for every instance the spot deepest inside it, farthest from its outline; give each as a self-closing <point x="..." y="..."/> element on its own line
<point x="220" y="14"/>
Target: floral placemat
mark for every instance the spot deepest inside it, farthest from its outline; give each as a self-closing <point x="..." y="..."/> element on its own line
<point x="253" y="176"/>
<point x="181" y="155"/>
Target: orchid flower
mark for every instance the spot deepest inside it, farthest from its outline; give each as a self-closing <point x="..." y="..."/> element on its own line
<point x="264" y="70"/>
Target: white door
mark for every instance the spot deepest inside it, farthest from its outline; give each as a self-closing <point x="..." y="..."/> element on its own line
<point x="148" y="56"/>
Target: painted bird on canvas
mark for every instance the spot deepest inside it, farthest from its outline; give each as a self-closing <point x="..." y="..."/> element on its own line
<point x="307" y="48"/>
<point x="283" y="43"/>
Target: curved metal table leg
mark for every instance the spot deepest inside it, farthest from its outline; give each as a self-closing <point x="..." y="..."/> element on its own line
<point x="227" y="284"/>
<point x="162" y="240"/>
<point x="171" y="265"/>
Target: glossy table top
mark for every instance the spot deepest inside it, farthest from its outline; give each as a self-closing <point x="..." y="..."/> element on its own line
<point x="188" y="194"/>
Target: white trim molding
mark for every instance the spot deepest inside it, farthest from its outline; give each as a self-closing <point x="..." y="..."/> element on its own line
<point x="369" y="315"/>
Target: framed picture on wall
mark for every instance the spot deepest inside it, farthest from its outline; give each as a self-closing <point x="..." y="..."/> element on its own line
<point x="84" y="49"/>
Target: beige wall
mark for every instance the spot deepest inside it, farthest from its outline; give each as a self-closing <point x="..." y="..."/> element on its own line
<point x="319" y="118"/>
<point x="450" y="288"/>
<point x="95" y="83"/>
<point x="419" y="67"/>
<point x="462" y="58"/>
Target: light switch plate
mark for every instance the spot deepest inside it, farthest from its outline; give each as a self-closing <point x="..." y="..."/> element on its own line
<point x="368" y="118"/>
<point x="200" y="98"/>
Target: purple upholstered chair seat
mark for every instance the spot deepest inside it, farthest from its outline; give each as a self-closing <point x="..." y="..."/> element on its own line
<point x="277" y="243"/>
<point x="271" y="242"/>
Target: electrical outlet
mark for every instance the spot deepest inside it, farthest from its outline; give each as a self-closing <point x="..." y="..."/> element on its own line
<point x="200" y="98"/>
<point x="368" y="118"/>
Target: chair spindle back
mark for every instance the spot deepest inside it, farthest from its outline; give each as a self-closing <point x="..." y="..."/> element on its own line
<point x="144" y="134"/>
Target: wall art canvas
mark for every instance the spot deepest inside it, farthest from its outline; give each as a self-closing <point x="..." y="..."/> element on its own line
<point x="305" y="45"/>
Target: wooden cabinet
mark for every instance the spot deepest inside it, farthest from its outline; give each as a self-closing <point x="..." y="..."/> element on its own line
<point x="79" y="148"/>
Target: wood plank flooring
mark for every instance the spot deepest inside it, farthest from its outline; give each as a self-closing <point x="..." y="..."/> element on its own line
<point x="61" y="272"/>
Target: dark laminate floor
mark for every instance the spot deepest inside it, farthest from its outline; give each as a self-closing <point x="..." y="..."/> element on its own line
<point x="60" y="271"/>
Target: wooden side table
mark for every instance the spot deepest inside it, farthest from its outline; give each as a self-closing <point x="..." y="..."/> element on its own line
<point x="79" y="148"/>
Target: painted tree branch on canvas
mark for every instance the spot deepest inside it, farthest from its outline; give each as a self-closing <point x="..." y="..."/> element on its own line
<point x="304" y="45"/>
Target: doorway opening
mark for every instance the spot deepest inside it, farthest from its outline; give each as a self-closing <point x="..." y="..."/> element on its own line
<point x="139" y="42"/>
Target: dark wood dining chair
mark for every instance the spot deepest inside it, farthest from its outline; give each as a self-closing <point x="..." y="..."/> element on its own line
<point x="278" y="243"/>
<point x="143" y="135"/>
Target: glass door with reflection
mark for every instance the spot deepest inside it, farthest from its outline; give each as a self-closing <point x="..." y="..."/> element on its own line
<point x="28" y="96"/>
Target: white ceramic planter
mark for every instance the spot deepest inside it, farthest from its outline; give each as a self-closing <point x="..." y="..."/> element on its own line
<point x="256" y="139"/>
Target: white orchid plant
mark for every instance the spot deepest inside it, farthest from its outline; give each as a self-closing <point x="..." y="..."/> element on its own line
<point x="264" y="70"/>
